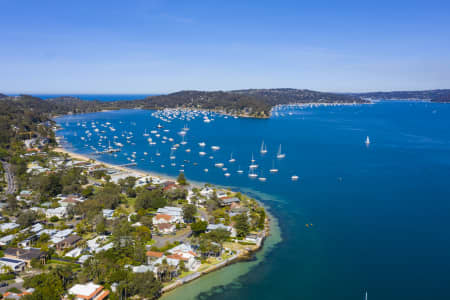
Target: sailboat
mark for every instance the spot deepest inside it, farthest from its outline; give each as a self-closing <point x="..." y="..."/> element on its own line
<point x="253" y="165"/>
<point x="262" y="178"/>
<point x="231" y="160"/>
<point x="273" y="170"/>
<point x="252" y="173"/>
<point x="367" y="142"/>
<point x="279" y="154"/>
<point x="263" y="148"/>
<point x="365" y="297"/>
<point x="239" y="170"/>
<point x="145" y="133"/>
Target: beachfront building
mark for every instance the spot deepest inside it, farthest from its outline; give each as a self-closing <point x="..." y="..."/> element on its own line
<point x="230" y="229"/>
<point x="88" y="291"/>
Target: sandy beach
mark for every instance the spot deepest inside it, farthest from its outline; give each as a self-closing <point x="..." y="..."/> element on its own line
<point x="109" y="165"/>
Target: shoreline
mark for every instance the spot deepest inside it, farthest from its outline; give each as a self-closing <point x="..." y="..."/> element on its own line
<point x="241" y="256"/>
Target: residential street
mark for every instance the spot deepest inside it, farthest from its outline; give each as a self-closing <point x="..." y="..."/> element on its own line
<point x="11" y="188"/>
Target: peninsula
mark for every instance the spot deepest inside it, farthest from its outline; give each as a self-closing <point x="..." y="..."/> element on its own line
<point x="72" y="226"/>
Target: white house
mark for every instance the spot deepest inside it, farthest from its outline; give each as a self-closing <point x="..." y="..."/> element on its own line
<point x="175" y="212"/>
<point x="59" y="212"/>
<point x="108" y="213"/>
<point x="166" y="228"/>
<point x="221" y="226"/>
<point x="15" y="265"/>
<point x="165" y="219"/>
<point x="7" y="239"/>
<point x="90" y="291"/>
<point x="8" y="226"/>
<point x="74" y="253"/>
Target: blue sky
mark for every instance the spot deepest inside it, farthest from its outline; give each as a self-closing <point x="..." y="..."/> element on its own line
<point x="164" y="46"/>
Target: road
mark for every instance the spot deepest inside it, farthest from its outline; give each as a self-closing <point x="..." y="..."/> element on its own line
<point x="17" y="285"/>
<point x="11" y="188"/>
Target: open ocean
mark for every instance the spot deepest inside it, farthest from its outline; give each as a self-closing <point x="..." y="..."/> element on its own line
<point x="380" y="214"/>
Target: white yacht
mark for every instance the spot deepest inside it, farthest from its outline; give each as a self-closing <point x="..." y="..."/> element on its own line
<point x="253" y="165"/>
<point x="273" y="170"/>
<point x="252" y="173"/>
<point x="215" y="148"/>
<point x="239" y="170"/>
<point x="202" y="144"/>
<point x="280" y="155"/>
<point x="263" y="148"/>
<point x="231" y="160"/>
<point x="294" y="177"/>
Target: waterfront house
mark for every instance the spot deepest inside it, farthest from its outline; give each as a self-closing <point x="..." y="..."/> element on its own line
<point x="153" y="255"/>
<point x="88" y="291"/>
<point x="252" y="238"/>
<point x="226" y="201"/>
<point x="230" y="229"/>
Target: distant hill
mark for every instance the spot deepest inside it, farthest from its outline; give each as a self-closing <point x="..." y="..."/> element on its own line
<point x="431" y="95"/>
<point x="3" y="96"/>
<point x="286" y="96"/>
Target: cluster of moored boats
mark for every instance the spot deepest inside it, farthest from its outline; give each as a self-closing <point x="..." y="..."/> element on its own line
<point x="104" y="138"/>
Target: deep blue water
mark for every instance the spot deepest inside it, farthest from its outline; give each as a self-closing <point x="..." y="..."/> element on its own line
<point x="380" y="214"/>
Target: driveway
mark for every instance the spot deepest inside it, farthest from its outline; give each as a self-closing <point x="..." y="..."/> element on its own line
<point x="181" y="236"/>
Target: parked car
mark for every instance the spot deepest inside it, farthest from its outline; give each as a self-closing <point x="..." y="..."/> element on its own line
<point x="3" y="284"/>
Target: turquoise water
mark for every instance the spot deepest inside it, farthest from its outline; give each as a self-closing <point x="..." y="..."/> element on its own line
<point x="380" y="214"/>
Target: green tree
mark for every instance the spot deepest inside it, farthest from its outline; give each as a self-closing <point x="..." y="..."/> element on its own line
<point x="12" y="203"/>
<point x="26" y="218"/>
<point x="189" y="211"/>
<point x="199" y="227"/>
<point x="150" y="199"/>
<point x="48" y="286"/>
<point x="241" y="225"/>
<point x="181" y="179"/>
<point x="218" y="235"/>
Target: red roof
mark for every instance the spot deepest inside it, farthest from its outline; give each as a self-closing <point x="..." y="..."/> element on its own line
<point x="154" y="254"/>
<point x="177" y="256"/>
<point x="163" y="216"/>
<point x="164" y="226"/>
